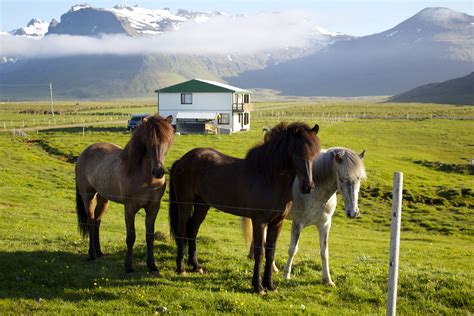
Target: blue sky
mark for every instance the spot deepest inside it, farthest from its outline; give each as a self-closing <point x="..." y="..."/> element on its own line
<point x="349" y="16"/>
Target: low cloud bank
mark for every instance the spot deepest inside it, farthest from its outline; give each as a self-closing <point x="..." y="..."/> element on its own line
<point x="219" y="35"/>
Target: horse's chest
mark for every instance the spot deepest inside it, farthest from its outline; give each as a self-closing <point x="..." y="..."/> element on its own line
<point x="148" y="192"/>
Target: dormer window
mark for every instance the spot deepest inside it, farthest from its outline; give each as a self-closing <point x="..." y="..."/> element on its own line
<point x="186" y="98"/>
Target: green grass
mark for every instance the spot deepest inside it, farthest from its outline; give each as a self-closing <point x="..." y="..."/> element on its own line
<point x="43" y="258"/>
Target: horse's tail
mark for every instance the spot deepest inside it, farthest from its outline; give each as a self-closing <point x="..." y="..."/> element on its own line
<point x="173" y="208"/>
<point x="81" y="214"/>
<point x="247" y="231"/>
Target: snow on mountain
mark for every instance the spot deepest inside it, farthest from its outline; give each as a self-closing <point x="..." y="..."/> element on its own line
<point x="34" y="29"/>
<point x="150" y="21"/>
<point x="323" y="31"/>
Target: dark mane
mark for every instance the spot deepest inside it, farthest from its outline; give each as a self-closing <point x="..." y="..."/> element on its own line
<point x="154" y="131"/>
<point x="273" y="156"/>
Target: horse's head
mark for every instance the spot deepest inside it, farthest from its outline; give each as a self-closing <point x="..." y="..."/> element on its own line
<point x="350" y="172"/>
<point x="150" y="140"/>
<point x="303" y="147"/>
<point x="158" y="138"/>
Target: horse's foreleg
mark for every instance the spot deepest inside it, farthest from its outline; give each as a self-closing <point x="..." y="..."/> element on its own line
<point x="130" y="212"/>
<point x="150" y="218"/>
<point x="257" y="250"/>
<point x="200" y="212"/>
<point x="100" y="208"/>
<point x="323" y="244"/>
<point x="296" y="228"/>
<point x="273" y="231"/>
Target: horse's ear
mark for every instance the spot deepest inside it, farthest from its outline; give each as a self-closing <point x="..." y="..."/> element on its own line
<point x="315" y="128"/>
<point x="169" y="119"/>
<point x="362" y="154"/>
<point x="338" y="158"/>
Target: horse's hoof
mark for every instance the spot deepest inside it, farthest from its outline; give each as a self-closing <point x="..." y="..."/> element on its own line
<point x="199" y="271"/>
<point x="183" y="272"/>
<point x="99" y="255"/>
<point x="259" y="290"/>
<point x="128" y="270"/>
<point x="329" y="283"/>
<point x="287" y="276"/>
<point x="155" y="273"/>
<point x="91" y="258"/>
<point x="270" y="287"/>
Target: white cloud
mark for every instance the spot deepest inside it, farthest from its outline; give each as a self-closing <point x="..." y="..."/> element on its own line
<point x="219" y="35"/>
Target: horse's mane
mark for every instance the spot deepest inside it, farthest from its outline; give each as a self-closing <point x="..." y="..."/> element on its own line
<point x="272" y="157"/>
<point x="352" y="164"/>
<point x="155" y="130"/>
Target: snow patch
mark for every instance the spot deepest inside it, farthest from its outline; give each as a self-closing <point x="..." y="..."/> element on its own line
<point x="78" y="7"/>
<point x="323" y="31"/>
<point x="35" y="29"/>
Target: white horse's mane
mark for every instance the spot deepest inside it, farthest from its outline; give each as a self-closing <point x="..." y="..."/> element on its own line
<point x="352" y="165"/>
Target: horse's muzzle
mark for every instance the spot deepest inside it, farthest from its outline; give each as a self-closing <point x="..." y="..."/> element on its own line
<point x="158" y="172"/>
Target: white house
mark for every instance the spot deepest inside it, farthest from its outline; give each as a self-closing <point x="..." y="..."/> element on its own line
<point x="200" y="105"/>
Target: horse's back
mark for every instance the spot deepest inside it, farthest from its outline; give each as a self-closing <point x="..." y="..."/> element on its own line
<point x="98" y="156"/>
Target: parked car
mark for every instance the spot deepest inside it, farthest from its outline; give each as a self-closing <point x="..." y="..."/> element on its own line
<point x="136" y="120"/>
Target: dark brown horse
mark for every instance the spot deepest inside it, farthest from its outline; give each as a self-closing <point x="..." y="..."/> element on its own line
<point x="257" y="187"/>
<point x="133" y="176"/>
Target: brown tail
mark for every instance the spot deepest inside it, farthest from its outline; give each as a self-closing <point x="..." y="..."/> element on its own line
<point x="81" y="214"/>
<point x="173" y="206"/>
<point x="247" y="230"/>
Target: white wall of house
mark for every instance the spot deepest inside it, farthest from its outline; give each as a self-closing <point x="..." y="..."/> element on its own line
<point x="239" y="124"/>
<point x="170" y="104"/>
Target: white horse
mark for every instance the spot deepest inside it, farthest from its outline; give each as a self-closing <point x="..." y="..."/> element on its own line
<point x="336" y="169"/>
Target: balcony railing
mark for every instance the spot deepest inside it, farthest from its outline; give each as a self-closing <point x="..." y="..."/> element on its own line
<point x="240" y="107"/>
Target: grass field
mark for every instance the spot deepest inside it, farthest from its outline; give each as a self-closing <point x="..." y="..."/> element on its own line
<point x="43" y="258"/>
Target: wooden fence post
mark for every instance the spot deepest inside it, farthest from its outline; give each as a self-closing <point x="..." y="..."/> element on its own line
<point x="394" y="244"/>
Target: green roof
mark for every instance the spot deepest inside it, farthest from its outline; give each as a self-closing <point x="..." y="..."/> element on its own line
<point x="199" y="85"/>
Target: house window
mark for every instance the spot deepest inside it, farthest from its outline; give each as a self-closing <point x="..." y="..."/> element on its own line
<point x="223" y="118"/>
<point x="186" y="98"/>
<point x="246" y="118"/>
<point x="246" y="98"/>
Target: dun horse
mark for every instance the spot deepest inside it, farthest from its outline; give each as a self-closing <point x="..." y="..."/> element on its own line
<point x="337" y="169"/>
<point x="257" y="187"/>
<point x="133" y="176"/>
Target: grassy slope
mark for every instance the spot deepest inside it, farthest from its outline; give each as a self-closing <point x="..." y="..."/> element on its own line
<point x="43" y="259"/>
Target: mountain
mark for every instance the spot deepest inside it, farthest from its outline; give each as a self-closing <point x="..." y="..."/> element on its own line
<point x="122" y="19"/>
<point x="110" y="76"/>
<point x="434" y="45"/>
<point x="34" y="29"/>
<point x="454" y="91"/>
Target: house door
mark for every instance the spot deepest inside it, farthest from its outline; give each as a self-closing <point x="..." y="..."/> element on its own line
<point x="241" y="120"/>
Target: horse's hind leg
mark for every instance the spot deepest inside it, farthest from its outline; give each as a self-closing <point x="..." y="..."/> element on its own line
<point x="151" y="212"/>
<point x="273" y="231"/>
<point x="296" y="228"/>
<point x="184" y="212"/>
<point x="87" y="198"/>
<point x="130" y="212"/>
<point x="200" y="212"/>
<point x="100" y="208"/>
